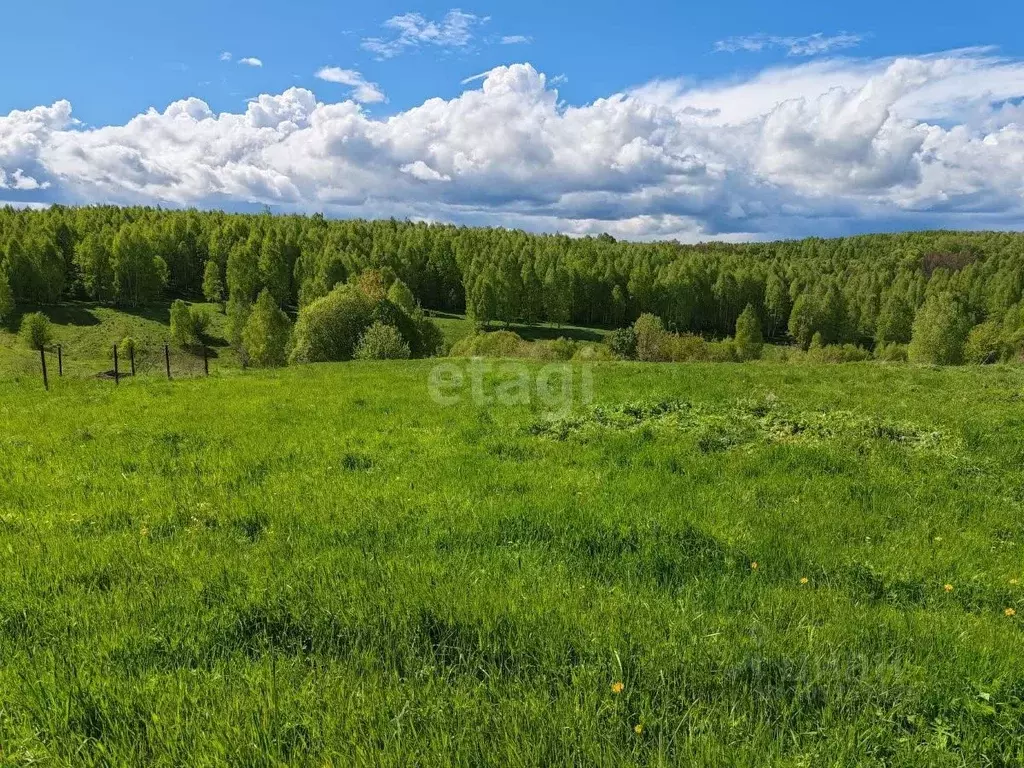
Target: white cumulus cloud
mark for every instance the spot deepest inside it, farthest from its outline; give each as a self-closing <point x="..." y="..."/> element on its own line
<point x="251" y="61"/>
<point x="822" y="147"/>
<point x="516" y="39"/>
<point x="363" y="91"/>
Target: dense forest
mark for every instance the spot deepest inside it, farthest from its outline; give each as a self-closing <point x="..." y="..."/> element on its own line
<point x="865" y="290"/>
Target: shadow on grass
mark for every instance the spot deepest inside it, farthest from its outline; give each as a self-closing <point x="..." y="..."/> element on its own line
<point x="160" y="313"/>
<point x="59" y="314"/>
<point x="532" y="332"/>
<point x="549" y="333"/>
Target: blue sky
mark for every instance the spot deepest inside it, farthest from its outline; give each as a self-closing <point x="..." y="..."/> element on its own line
<point x="928" y="100"/>
<point x="113" y="59"/>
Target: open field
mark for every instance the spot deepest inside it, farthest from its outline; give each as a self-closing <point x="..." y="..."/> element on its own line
<point x="323" y="566"/>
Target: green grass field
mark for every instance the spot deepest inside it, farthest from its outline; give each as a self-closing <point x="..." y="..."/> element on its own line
<point x="323" y="566"/>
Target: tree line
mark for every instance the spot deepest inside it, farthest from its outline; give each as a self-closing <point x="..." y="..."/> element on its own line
<point x="868" y="291"/>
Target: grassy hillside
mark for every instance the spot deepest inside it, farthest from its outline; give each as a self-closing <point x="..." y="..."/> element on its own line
<point x="720" y="565"/>
<point x="87" y="333"/>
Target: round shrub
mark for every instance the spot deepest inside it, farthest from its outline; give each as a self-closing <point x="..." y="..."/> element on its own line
<point x="651" y="338"/>
<point x="382" y="342"/>
<point x="496" y="344"/>
<point x="984" y="344"/>
<point x="128" y="347"/>
<point x="940" y="332"/>
<point x="329" y="328"/>
<point x="36" y="332"/>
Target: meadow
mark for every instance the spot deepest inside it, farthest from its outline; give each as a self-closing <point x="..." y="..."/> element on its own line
<point x="716" y="565"/>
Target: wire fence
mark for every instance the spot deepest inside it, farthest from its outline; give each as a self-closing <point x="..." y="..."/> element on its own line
<point x="168" y="362"/>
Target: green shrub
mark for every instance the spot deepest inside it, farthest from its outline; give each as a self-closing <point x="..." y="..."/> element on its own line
<point x="984" y="344"/>
<point x="651" y="338"/>
<point x="128" y="347"/>
<point x="36" y="331"/>
<point x="686" y="348"/>
<point x="940" y="332"/>
<point x="622" y="343"/>
<point x="400" y="295"/>
<point x="722" y="352"/>
<point x="382" y="342"/>
<point x="561" y="348"/>
<point x="266" y="334"/>
<point x="749" y="340"/>
<point x="496" y="344"/>
<point x="892" y="353"/>
<point x="329" y="328"/>
<point x="431" y="339"/>
<point x="188" y="324"/>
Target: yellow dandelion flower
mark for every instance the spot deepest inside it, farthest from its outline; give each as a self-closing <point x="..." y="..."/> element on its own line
<point x="618" y="687"/>
<point x="1010" y="612"/>
<point x="144" y="532"/>
<point x="753" y="566"/>
<point x="1015" y="582"/>
<point x="948" y="587"/>
<point x="804" y="580"/>
<point x="638" y="729"/>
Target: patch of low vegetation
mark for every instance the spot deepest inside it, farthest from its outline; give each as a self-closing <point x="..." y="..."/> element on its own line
<point x="740" y="424"/>
<point x="507" y="344"/>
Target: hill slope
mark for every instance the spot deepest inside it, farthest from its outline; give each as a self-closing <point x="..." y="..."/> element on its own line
<point x="88" y="332"/>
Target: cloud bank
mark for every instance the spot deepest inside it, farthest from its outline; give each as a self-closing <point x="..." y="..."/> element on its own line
<point x="826" y="147"/>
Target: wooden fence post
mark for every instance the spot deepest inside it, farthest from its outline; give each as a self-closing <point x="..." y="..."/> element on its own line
<point x="42" y="358"/>
<point x="60" y="360"/>
<point x="117" y="375"/>
<point x="206" y="362"/>
<point x="167" y="360"/>
<point x="131" y="356"/>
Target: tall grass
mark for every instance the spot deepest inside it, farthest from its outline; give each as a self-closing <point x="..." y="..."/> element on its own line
<point x="319" y="565"/>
